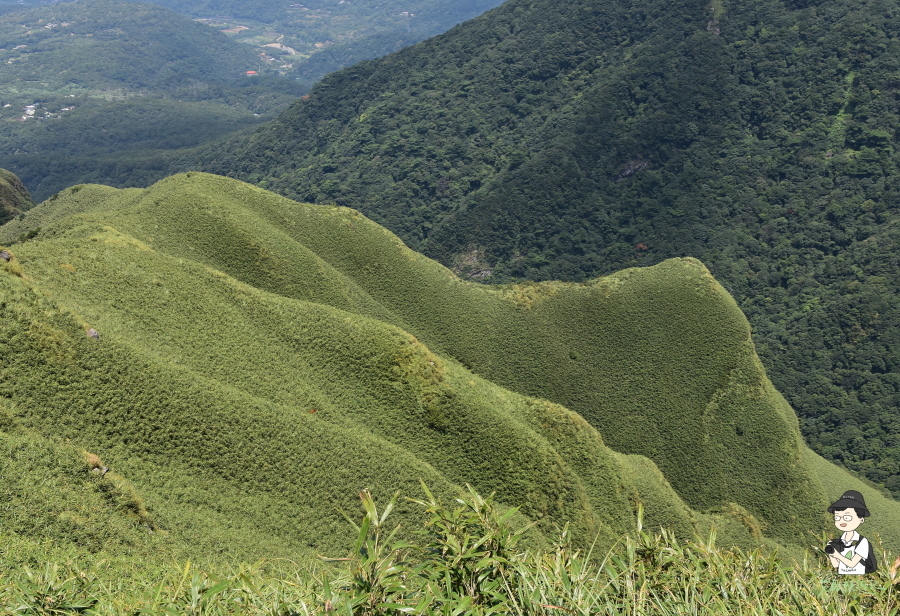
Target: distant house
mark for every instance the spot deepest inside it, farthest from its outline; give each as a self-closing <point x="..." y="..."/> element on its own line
<point x="252" y="74"/>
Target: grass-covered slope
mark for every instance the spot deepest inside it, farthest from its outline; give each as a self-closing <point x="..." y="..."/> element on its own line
<point x="568" y="140"/>
<point x="260" y="361"/>
<point x="54" y="490"/>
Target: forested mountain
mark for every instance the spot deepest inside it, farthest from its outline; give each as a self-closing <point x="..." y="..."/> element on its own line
<point x="109" y="91"/>
<point x="565" y="140"/>
<point x="188" y="338"/>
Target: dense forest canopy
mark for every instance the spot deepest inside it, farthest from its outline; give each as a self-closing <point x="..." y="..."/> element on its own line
<point x="566" y="140"/>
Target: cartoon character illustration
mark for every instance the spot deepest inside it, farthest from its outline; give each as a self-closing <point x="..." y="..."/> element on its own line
<point x="851" y="553"/>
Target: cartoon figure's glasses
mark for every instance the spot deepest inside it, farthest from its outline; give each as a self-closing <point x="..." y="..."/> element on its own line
<point x="845" y="518"/>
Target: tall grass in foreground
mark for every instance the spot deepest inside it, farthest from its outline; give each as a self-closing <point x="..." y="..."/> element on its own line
<point x="468" y="561"/>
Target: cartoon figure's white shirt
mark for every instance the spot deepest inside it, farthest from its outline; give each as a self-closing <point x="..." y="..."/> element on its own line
<point x="861" y="548"/>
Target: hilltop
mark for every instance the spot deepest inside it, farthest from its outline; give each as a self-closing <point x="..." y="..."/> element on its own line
<point x="246" y="364"/>
<point x="570" y="140"/>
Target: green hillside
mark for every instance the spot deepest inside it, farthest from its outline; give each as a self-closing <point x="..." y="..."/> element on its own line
<point x="55" y="490"/>
<point x="258" y="361"/>
<point x="571" y="140"/>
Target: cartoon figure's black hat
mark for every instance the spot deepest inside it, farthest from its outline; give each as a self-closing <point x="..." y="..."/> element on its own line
<point x="851" y="498"/>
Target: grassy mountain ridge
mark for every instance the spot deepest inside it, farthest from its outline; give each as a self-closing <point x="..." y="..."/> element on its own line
<point x="325" y="442"/>
<point x="549" y="141"/>
<point x="536" y="350"/>
<point x="288" y="355"/>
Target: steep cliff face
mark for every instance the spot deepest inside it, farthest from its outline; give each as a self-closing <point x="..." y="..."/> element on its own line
<point x="14" y="197"/>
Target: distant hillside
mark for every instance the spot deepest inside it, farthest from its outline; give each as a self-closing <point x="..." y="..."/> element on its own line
<point x="99" y="80"/>
<point x="249" y="363"/>
<point x="569" y="140"/>
<point x="310" y="39"/>
<point x="114" y="92"/>
<point x="379" y="28"/>
<point x="91" y="45"/>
